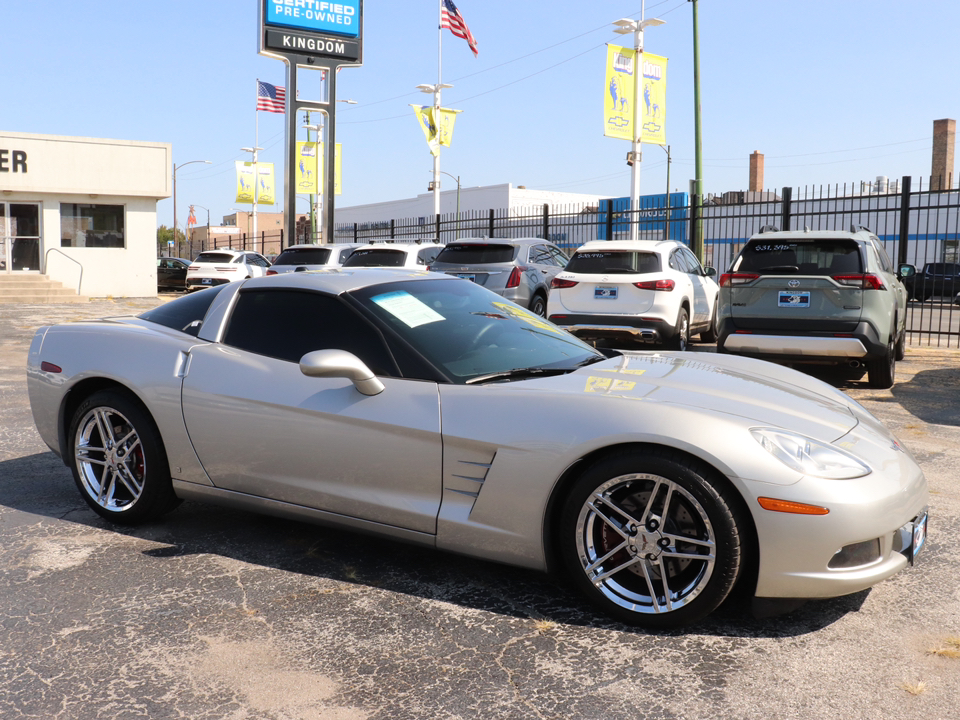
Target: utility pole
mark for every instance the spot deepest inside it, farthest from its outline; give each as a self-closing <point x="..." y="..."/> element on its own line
<point x="696" y="242"/>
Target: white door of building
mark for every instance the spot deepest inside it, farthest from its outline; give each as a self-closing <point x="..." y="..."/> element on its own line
<point x="19" y="237"/>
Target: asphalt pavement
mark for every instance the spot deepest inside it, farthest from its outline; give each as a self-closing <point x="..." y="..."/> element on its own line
<point x="215" y="613"/>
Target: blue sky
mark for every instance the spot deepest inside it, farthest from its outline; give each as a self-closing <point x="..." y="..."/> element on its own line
<point x="830" y="92"/>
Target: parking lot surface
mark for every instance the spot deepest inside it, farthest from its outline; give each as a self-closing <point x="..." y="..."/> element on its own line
<point x="214" y="613"/>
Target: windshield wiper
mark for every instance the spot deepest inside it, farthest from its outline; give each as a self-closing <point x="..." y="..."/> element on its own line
<point x="518" y="374"/>
<point x="594" y="359"/>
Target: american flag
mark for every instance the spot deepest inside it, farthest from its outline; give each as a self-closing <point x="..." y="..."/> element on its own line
<point x="451" y="19"/>
<point x="271" y="97"/>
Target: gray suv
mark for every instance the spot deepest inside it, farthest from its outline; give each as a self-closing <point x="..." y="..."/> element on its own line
<point x="519" y="269"/>
<point x="824" y="297"/>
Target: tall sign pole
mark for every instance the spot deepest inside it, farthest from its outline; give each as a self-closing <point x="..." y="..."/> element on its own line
<point x="320" y="37"/>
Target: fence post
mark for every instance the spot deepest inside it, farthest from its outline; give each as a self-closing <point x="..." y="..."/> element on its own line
<point x="904" y="219"/>
<point x="355" y="228"/>
<point x="393" y="228"/>
<point x="438" y="227"/>
<point x="609" y="206"/>
<point x="546" y="221"/>
<point x="281" y="240"/>
<point x="696" y="243"/>
<point x="490" y="229"/>
<point x="786" y="208"/>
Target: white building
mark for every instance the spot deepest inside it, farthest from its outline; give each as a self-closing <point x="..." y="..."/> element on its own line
<point x="82" y="211"/>
<point x="474" y="202"/>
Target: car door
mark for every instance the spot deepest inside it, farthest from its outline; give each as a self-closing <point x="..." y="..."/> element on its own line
<point x="687" y="284"/>
<point x="261" y="427"/>
<point x="704" y="289"/>
<point x="546" y="262"/>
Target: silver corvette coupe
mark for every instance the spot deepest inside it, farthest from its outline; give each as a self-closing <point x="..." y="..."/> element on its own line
<point x="424" y="408"/>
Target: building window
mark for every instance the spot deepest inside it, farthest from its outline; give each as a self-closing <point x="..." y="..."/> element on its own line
<point x="91" y="225"/>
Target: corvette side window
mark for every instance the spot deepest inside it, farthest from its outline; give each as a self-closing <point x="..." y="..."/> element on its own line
<point x="287" y="324"/>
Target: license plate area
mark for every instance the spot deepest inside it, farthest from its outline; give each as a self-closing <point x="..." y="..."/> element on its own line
<point x="467" y="276"/>
<point x="206" y="281"/>
<point x="605" y="292"/>
<point x="794" y="298"/>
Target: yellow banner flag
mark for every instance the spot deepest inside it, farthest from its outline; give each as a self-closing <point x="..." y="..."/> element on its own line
<point x="620" y="89"/>
<point x="653" y="106"/>
<point x="445" y="117"/>
<point x="308" y="168"/>
<point x="429" y="127"/>
<point x="266" y="193"/>
<point x="246" y="182"/>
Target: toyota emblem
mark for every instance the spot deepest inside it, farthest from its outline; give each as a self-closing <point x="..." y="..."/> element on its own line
<point x="794" y="283"/>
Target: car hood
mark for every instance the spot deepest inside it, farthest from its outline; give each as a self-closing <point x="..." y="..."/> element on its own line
<point x="764" y="393"/>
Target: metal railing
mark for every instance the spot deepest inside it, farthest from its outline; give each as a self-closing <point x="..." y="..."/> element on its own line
<point x="916" y="226"/>
<point x="46" y="259"/>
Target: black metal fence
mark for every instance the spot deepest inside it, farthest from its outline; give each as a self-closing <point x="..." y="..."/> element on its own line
<point x="917" y="225"/>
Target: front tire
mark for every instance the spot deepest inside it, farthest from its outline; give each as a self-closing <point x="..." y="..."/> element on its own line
<point x="901" y="347"/>
<point x="710" y="335"/>
<point x="652" y="538"/>
<point x="119" y="462"/>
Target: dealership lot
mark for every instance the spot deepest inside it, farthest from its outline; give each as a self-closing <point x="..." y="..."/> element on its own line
<point x="215" y="613"/>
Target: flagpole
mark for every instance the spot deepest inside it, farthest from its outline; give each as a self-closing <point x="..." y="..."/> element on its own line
<point x="256" y="172"/>
<point x="436" y="109"/>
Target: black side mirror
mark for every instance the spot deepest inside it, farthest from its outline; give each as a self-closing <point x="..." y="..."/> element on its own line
<point x="905" y="270"/>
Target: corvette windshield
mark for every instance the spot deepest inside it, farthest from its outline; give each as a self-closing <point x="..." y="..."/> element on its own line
<point x="469" y="332"/>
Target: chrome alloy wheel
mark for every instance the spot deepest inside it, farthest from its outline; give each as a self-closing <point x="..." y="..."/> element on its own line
<point x="110" y="459"/>
<point x="645" y="543"/>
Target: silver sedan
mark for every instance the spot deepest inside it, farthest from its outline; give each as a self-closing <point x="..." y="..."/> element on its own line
<point x="426" y="409"/>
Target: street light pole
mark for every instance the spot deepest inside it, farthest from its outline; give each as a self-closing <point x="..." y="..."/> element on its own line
<point x="316" y="171"/>
<point x="175" y="168"/>
<point x="625" y="27"/>
<point x="666" y="226"/>
<point x="256" y="189"/>
<point x="457" y="178"/>
<point x="435" y="90"/>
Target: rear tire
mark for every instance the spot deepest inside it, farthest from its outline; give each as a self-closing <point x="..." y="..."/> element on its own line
<point x="901" y="349"/>
<point x="538" y="305"/>
<point x="681" y="340"/>
<point x="882" y="371"/>
<point x="118" y="459"/>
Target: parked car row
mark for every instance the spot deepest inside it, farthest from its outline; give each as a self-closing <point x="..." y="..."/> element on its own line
<point x="797" y="298"/>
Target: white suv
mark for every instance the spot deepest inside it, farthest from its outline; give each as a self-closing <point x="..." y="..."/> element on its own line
<point x="407" y="255"/>
<point x="216" y="267"/>
<point x="643" y="291"/>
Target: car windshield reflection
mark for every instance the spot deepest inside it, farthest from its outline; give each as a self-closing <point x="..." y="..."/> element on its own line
<point x="471" y="333"/>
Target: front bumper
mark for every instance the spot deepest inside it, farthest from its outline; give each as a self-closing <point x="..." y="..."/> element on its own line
<point x="865" y="538"/>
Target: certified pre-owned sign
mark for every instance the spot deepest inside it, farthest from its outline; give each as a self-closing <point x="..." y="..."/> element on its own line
<point x="339" y="18"/>
<point x="314" y="28"/>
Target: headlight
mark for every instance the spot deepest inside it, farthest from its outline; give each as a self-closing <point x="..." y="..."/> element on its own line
<point x="809" y="456"/>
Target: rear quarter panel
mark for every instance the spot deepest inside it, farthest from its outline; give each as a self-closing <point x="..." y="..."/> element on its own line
<point x="142" y="358"/>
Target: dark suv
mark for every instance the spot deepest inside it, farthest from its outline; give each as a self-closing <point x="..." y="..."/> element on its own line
<point x="937" y="279"/>
<point x="826" y="297"/>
